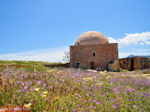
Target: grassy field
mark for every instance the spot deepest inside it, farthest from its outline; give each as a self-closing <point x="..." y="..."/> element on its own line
<point x="28" y="66"/>
<point x="30" y="86"/>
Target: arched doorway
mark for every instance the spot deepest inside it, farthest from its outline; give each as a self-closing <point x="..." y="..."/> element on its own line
<point x="77" y="65"/>
<point x="92" y="64"/>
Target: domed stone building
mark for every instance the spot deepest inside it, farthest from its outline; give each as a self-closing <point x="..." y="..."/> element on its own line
<point x="92" y="50"/>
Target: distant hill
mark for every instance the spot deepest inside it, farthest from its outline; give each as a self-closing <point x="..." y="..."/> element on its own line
<point x="130" y="56"/>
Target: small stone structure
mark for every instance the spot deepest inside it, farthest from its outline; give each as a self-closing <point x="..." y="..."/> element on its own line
<point x="134" y="63"/>
<point x="114" y="66"/>
<point x="92" y="50"/>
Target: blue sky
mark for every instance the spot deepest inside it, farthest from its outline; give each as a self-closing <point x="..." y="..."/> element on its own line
<point x="42" y="29"/>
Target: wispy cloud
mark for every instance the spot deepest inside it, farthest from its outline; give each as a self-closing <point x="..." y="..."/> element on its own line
<point x="133" y="44"/>
<point x="135" y="38"/>
<point x="50" y="55"/>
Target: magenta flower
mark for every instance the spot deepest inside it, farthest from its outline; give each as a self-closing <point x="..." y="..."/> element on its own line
<point x="97" y="102"/>
<point x="87" y="94"/>
<point x="75" y="110"/>
<point x="16" y="109"/>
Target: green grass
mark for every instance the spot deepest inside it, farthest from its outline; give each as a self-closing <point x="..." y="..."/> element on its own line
<point x="29" y="66"/>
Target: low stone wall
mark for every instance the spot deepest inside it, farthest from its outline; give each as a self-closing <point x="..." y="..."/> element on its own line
<point x="132" y="63"/>
<point x="145" y="63"/>
<point x="135" y="63"/>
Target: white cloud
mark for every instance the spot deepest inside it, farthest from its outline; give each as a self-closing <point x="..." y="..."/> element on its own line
<point x="111" y="40"/>
<point x="135" y="38"/>
<point x="148" y="42"/>
<point x="50" y="55"/>
<point x="141" y="43"/>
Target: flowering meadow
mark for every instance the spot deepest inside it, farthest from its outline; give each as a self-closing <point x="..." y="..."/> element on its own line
<point x="72" y="90"/>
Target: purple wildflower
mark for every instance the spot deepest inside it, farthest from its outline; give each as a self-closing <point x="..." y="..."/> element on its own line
<point x="114" y="106"/>
<point x="16" y="108"/>
<point x="75" y="110"/>
<point x="97" y="102"/>
<point x="90" y="99"/>
<point x="39" y="82"/>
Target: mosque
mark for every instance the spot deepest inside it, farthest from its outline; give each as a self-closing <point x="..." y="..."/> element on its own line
<point x="93" y="50"/>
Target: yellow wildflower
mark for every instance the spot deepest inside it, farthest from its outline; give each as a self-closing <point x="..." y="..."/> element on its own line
<point x="52" y="71"/>
<point x="27" y="105"/>
<point x="135" y="75"/>
<point x="72" y="95"/>
<point x="44" y="96"/>
<point x="73" y="77"/>
<point x="89" y="78"/>
<point x="37" y="89"/>
<point x="108" y="77"/>
<point x="99" y="83"/>
<point x="129" y="87"/>
<point x="56" y="97"/>
<point x="103" y="73"/>
<point x="45" y="92"/>
<point x="34" y="69"/>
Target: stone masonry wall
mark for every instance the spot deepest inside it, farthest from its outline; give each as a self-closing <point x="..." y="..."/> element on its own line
<point x="105" y="53"/>
<point x="125" y="63"/>
<point x="144" y="63"/>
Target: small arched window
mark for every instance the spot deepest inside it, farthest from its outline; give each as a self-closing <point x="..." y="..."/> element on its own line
<point x="94" y="54"/>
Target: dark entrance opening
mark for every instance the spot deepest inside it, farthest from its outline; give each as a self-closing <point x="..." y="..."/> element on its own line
<point x="92" y="64"/>
<point x="132" y="64"/>
<point x="94" y="54"/>
<point x="77" y="65"/>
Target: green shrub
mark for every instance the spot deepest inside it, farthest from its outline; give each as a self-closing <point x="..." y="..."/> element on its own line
<point x="146" y="72"/>
<point x="123" y="70"/>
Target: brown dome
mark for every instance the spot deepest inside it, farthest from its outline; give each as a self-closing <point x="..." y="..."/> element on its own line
<point x="91" y="37"/>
